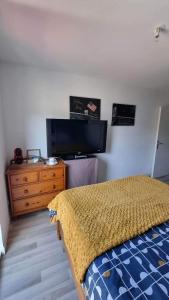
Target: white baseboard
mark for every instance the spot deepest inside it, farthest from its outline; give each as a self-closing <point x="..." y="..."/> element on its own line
<point x="3" y="243"/>
<point x="2" y="250"/>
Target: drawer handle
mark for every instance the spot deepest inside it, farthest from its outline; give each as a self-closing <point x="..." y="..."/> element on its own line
<point x="26" y="191"/>
<point x="27" y="204"/>
<point x="54" y="186"/>
<point x="25" y="179"/>
<point x="17" y="179"/>
<point x="54" y="175"/>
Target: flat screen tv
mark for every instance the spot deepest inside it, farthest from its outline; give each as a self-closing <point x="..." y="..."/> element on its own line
<point x="75" y="137"/>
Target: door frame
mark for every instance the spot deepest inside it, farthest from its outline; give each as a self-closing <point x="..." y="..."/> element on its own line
<point x="156" y="139"/>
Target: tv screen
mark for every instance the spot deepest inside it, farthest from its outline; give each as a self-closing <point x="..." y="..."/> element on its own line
<point x="75" y="137"/>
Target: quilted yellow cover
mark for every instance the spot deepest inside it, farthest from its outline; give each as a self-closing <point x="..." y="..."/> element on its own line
<point x="98" y="217"/>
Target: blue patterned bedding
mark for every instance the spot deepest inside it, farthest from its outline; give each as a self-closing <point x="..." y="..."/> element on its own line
<point x="137" y="269"/>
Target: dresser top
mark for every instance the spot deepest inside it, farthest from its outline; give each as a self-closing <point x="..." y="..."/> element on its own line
<point x="26" y="167"/>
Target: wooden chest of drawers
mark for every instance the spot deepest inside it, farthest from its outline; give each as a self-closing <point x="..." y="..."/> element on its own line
<point x="32" y="187"/>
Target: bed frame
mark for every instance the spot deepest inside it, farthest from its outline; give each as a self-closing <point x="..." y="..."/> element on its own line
<point x="60" y="236"/>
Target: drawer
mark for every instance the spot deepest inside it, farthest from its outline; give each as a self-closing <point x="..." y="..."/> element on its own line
<point x="33" y="203"/>
<point x="24" y="178"/>
<point x="51" y="174"/>
<point x="38" y="188"/>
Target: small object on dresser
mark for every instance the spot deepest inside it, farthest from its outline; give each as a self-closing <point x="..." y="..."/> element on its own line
<point x="33" y="160"/>
<point x="33" y="156"/>
<point x="52" y="161"/>
<point x="33" y="153"/>
<point x="18" y="157"/>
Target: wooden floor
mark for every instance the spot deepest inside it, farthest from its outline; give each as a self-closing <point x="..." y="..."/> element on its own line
<point x="35" y="266"/>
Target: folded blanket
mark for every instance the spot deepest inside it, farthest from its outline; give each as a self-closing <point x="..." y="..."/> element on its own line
<point x="98" y="217"/>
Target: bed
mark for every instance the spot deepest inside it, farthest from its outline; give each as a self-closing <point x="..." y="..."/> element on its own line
<point x="117" y="238"/>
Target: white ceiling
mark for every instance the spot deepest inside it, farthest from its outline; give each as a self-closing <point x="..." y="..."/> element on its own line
<point x="107" y="38"/>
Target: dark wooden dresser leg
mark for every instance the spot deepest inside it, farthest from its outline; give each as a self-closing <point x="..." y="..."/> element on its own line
<point x="58" y="230"/>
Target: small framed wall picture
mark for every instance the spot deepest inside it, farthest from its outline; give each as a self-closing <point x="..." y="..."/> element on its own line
<point x="123" y="114"/>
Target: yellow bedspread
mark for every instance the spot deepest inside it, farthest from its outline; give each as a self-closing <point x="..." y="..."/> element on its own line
<point x="98" y="217"/>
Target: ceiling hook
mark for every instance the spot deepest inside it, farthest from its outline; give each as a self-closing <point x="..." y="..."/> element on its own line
<point x="158" y="30"/>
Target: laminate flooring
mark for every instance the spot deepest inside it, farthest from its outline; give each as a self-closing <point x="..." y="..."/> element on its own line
<point x="35" y="266"/>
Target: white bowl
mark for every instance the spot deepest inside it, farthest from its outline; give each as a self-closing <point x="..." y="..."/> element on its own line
<point x="49" y="163"/>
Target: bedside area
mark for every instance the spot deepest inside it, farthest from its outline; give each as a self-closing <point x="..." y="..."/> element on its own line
<point x="32" y="186"/>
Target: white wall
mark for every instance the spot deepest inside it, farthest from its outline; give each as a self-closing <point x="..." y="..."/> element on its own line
<point x="4" y="215"/>
<point x="31" y="95"/>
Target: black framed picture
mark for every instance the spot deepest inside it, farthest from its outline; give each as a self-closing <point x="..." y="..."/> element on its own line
<point x="123" y="114"/>
<point x="84" y="108"/>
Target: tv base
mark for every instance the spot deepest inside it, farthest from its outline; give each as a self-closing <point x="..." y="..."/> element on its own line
<point x="73" y="156"/>
<point x="80" y="156"/>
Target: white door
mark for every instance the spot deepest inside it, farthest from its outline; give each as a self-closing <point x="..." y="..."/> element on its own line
<point x="161" y="165"/>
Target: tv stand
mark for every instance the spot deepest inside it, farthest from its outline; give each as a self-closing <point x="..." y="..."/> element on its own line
<point x="81" y="171"/>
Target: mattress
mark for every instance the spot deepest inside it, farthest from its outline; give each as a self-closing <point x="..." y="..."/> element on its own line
<point x="137" y="269"/>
